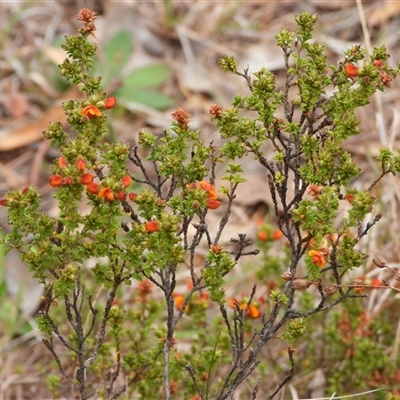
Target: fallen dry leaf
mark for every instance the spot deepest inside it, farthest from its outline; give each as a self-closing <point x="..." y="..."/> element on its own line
<point x="32" y="132"/>
<point x="384" y="13"/>
<point x="15" y="104"/>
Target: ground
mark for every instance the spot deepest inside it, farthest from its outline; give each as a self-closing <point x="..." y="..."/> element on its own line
<point x="189" y="37"/>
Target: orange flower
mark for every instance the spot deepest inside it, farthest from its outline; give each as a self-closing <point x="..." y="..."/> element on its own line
<point x="56" y="180"/>
<point x="213" y="204"/>
<point x="209" y="188"/>
<point x="232" y="302"/>
<point x="152" y="226"/>
<point x="262" y="235"/>
<point x="277" y="234"/>
<point x="318" y="257"/>
<point x="80" y="164"/>
<point x="378" y="63"/>
<point x="376" y="283"/>
<point x="86" y="179"/>
<point x="107" y="193"/>
<point x="358" y="283"/>
<point x="110" y="102"/>
<point x="93" y="188"/>
<point x="62" y="162"/>
<point x="179" y="300"/>
<point x="351" y="70"/>
<point x="212" y="194"/>
<point x="204" y="295"/>
<point x="254" y="312"/>
<point x="126" y="181"/>
<point x="91" y="112"/>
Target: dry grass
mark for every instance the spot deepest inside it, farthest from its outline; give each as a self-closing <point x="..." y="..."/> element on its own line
<point x="190" y="36"/>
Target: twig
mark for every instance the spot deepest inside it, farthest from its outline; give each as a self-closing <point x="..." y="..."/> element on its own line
<point x="288" y="377"/>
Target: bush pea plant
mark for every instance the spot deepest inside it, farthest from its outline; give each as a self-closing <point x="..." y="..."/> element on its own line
<point x="120" y="328"/>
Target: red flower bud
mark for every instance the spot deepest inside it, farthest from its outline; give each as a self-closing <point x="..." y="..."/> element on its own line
<point x="93" y="188"/>
<point x="56" y="180"/>
<point x="351" y="70"/>
<point x="110" y="102"/>
<point x="68" y="181"/>
<point x="3" y="202"/>
<point x="378" y="63"/>
<point x="80" y="164"/>
<point x="126" y="181"/>
<point x="152" y="226"/>
<point x="121" y="195"/>
<point x="110" y="195"/>
<point x="62" y="162"/>
<point x="216" y="248"/>
<point x="132" y="196"/>
<point x="86" y="178"/>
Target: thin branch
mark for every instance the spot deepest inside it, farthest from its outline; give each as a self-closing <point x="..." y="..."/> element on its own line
<point x="191" y="372"/>
<point x="288" y="377"/>
<point x="58" y="361"/>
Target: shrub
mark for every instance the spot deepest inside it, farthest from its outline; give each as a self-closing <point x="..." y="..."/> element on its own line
<point x="147" y="227"/>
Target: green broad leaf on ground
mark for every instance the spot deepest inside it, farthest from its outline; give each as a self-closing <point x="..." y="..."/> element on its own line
<point x="136" y="85"/>
<point x="152" y="99"/>
<point x="117" y="51"/>
<point x="149" y="76"/>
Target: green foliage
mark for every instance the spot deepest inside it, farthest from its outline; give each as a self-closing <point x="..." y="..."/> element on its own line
<point x="353" y="343"/>
<point x="53" y="383"/>
<point x="295" y="330"/>
<point x="390" y="396"/>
